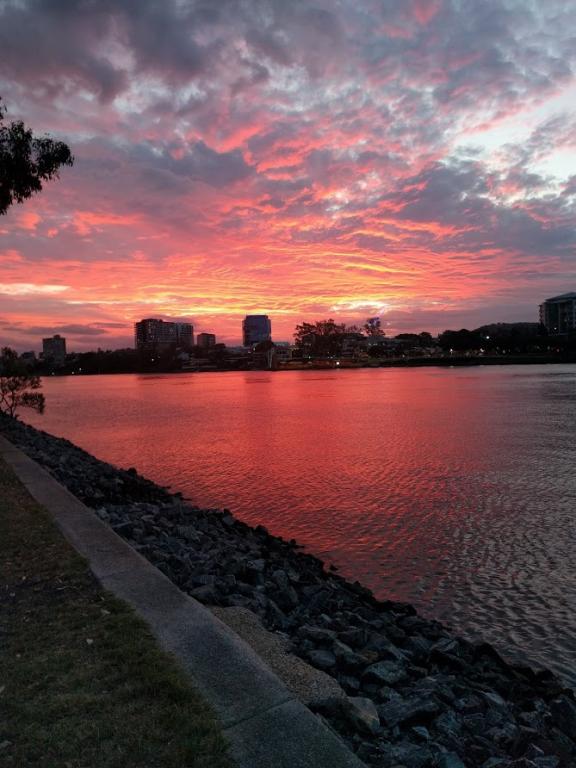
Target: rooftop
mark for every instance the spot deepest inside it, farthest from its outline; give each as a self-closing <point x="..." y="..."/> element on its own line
<point x="563" y="297"/>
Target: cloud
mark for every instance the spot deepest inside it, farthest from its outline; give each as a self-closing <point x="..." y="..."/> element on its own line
<point x="27" y="289"/>
<point x="293" y="156"/>
<point x="72" y="329"/>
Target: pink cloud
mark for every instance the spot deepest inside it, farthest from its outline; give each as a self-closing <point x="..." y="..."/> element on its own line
<point x="289" y="162"/>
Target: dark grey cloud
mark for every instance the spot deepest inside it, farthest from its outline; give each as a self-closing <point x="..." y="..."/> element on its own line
<point x="73" y="329"/>
<point x="463" y="194"/>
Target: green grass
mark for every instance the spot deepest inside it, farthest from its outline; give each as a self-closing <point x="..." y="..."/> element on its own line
<point x="82" y="682"/>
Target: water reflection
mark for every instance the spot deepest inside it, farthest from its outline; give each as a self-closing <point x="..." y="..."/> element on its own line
<point x="453" y="489"/>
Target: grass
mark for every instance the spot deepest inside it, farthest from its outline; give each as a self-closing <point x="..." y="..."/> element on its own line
<point x="83" y="683"/>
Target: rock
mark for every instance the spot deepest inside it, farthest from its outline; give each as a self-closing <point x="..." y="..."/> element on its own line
<point x="547" y="761"/>
<point x="384" y="673"/>
<point x="124" y="529"/>
<point x="564" y="713"/>
<point x="505" y="735"/>
<point x="405" y="755"/>
<point x="362" y="713"/>
<point x="205" y="594"/>
<point x="469" y="705"/>
<point x="346" y="656"/>
<point x="493" y="700"/>
<point x="417" y="647"/>
<point x="354" y="637"/>
<point x="474" y="723"/>
<point x="399" y="710"/>
<point x="384" y="648"/>
<point x="350" y="683"/>
<point x="448" y="725"/>
<point x="322" y="659"/>
<point x="450" y="760"/>
<point x="281" y="579"/>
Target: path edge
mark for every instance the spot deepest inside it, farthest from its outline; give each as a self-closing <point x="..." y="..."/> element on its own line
<point x="263" y="722"/>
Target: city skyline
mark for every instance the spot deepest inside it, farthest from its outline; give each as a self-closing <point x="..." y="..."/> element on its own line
<point x="413" y="161"/>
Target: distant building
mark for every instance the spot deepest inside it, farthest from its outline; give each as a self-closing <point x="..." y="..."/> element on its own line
<point x="205" y="340"/>
<point x="54" y="350"/>
<point x="558" y="314"/>
<point x="256" y="328"/>
<point x="283" y="351"/>
<point x="29" y="358"/>
<point x="184" y="335"/>
<point x="152" y="334"/>
<point x="353" y="344"/>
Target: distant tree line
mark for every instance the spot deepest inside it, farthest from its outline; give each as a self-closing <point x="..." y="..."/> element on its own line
<point x="327" y="338"/>
<point x="498" y="338"/>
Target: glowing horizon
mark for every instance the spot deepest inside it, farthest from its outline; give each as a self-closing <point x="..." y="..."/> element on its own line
<point x="413" y="161"/>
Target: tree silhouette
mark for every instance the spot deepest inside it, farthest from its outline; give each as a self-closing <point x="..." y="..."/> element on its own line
<point x="18" y="389"/>
<point x="323" y="338"/>
<point x="26" y="161"/>
<point x="373" y="327"/>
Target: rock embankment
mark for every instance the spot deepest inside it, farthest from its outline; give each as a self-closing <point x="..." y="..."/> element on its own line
<point x="417" y="697"/>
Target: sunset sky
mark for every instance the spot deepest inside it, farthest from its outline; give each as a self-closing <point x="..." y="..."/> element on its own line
<point x="413" y="159"/>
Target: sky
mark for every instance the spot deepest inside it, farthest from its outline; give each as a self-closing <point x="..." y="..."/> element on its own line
<point x="409" y="159"/>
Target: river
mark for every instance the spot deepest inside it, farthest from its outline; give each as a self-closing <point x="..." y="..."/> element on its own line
<point x="453" y="489"/>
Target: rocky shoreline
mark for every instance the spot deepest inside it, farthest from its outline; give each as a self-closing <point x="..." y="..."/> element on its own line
<point x="417" y="696"/>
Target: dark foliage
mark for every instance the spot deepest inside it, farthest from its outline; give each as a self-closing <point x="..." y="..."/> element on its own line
<point x="323" y="338"/>
<point x="26" y="161"/>
<point x="18" y="388"/>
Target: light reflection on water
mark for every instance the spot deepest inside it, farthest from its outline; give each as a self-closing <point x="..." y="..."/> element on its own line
<point x="453" y="489"/>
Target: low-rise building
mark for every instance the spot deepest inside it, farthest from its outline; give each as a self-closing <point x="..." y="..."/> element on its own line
<point x="28" y="358"/>
<point x="205" y="340"/>
<point x="353" y="344"/>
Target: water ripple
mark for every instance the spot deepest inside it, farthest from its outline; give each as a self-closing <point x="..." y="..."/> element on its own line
<point x="452" y="489"/>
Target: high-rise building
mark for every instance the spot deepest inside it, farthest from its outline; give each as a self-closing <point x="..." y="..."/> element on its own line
<point x="558" y="314"/>
<point x="152" y="334"/>
<point x="256" y="328"/>
<point x="206" y="340"/>
<point x="54" y="350"/>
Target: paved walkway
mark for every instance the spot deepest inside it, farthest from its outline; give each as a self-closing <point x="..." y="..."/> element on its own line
<point x="266" y="726"/>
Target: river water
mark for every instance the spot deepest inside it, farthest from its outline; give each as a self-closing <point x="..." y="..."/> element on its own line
<point x="453" y="489"/>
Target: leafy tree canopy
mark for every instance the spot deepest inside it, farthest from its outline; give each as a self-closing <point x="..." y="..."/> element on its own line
<point x="323" y="338"/>
<point x="26" y="161"/>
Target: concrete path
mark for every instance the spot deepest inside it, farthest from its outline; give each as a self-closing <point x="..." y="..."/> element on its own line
<point x="264" y="723"/>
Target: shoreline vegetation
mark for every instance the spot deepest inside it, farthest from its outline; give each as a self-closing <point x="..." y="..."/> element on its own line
<point x="416" y="695"/>
<point x="319" y="345"/>
<point x="341" y="364"/>
<point x="82" y="681"/>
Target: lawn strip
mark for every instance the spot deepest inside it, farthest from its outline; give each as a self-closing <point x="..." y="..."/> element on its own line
<point x="83" y="683"/>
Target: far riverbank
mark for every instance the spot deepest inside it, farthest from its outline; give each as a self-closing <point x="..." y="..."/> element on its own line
<point x="460" y="361"/>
